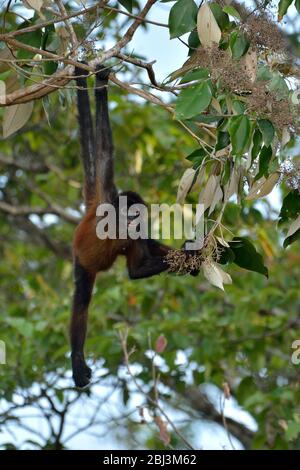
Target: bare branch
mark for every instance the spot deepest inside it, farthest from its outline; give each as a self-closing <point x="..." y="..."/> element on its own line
<point x="27" y="210"/>
<point x="123" y="338"/>
<point x="68" y="24"/>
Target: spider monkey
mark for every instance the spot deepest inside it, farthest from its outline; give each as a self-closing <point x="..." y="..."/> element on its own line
<point x="144" y="258"/>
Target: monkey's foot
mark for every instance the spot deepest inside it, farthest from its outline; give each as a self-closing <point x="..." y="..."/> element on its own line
<point x="81" y="373"/>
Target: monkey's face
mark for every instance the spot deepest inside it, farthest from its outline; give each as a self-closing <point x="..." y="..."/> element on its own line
<point x="133" y="216"/>
<point x="132" y="208"/>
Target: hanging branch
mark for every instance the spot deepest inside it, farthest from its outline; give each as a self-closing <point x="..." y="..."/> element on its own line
<point x="62" y="77"/>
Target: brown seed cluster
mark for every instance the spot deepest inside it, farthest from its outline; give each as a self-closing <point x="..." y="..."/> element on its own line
<point x="221" y="66"/>
<point x="234" y="77"/>
<point x="265" y="104"/>
<point x="264" y="34"/>
<point x="180" y="262"/>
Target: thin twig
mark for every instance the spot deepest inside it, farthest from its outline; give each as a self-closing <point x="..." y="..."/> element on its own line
<point x="123" y="338"/>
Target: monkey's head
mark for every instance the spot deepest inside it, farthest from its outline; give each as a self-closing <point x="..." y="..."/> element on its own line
<point x="130" y="205"/>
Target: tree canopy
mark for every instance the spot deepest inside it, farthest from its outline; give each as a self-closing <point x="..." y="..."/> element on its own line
<point x="221" y="129"/>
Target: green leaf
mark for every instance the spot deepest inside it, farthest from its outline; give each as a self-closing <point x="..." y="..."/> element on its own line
<point x="193" y="42"/>
<point x="239" y="44"/>
<point x="292" y="431"/>
<point x="278" y="84"/>
<point x="290" y="209"/>
<point x="128" y="4"/>
<point x="297" y="5"/>
<point x="264" y="74"/>
<point x="223" y="139"/>
<point x="267" y="130"/>
<point x="257" y="142"/>
<point x="227" y="255"/>
<point x="226" y="172"/>
<point x="230" y="10"/>
<point x="198" y="74"/>
<point x="238" y="107"/>
<point x="289" y="240"/>
<point x="193" y="100"/>
<point x="182" y="18"/>
<point x="264" y="160"/>
<point x="50" y="67"/>
<point x="52" y="42"/>
<point x="197" y="157"/>
<point x="283" y="7"/>
<point x="220" y="16"/>
<point x="246" y="256"/>
<point x="33" y="39"/>
<point x="239" y="129"/>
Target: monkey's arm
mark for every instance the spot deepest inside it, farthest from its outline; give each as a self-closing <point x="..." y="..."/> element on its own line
<point x="104" y="140"/>
<point x="156" y="248"/>
<point x="141" y="263"/>
<point x="86" y="136"/>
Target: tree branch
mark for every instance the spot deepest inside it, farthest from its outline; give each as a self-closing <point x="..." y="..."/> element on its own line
<point x="27" y="210"/>
<point x="199" y="402"/>
<point x="61" y="78"/>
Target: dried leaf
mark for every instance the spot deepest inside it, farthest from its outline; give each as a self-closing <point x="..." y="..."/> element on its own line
<point x="207" y="27"/>
<point x="286" y="136"/>
<point x="249" y="63"/>
<point x="294" y="227"/>
<point x="226" y="390"/>
<point x="207" y="195"/>
<point x="16" y="117"/>
<point x="232" y="187"/>
<point x="2" y="92"/>
<point x="185" y="184"/>
<point x="35" y="4"/>
<point x="217" y="198"/>
<point x="226" y="278"/>
<point x="223" y="242"/>
<point x="263" y="186"/>
<point x="163" y="431"/>
<point x="161" y="344"/>
<point x="216" y="105"/>
<point x="215" y="275"/>
<point x="4" y="55"/>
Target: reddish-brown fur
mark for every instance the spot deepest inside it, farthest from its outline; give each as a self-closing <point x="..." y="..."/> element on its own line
<point x="144" y="258"/>
<point x="92" y="253"/>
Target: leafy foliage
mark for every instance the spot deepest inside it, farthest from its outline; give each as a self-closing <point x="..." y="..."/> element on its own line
<point x="233" y="99"/>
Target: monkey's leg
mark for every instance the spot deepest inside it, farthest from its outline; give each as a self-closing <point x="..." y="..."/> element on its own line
<point x="84" y="282"/>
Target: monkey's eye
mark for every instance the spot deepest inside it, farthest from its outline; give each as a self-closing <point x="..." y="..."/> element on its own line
<point x="133" y="214"/>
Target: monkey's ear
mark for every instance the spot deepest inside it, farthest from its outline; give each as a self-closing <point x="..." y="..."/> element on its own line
<point x="102" y="72"/>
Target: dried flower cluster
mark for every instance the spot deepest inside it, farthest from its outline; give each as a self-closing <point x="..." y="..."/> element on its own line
<point x="291" y="174"/>
<point x="182" y="262"/>
<point x="265" y="104"/>
<point x="221" y="66"/>
<point x="235" y="78"/>
<point x="264" y="34"/>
